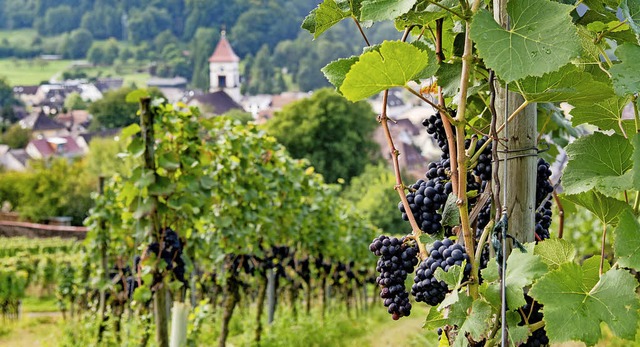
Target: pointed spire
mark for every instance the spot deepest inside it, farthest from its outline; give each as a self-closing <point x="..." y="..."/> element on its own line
<point x="223" y="52"/>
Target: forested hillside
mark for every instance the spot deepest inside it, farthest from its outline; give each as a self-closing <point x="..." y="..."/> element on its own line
<point x="176" y="37"/>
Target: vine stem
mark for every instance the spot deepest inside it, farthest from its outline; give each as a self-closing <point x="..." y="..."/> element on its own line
<point x="361" y="31"/>
<point x="604" y="239"/>
<point x="481" y="242"/>
<point x="490" y="139"/>
<point x="431" y="103"/>
<point x="462" y="201"/>
<point x="448" y="130"/>
<point x="399" y="187"/>
<point x="560" y="214"/>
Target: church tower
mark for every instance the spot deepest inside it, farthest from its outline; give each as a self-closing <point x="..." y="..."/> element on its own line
<point x="224" y="69"/>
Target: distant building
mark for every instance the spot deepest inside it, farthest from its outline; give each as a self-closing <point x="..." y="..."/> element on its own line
<point x="13" y="159"/>
<point x="215" y="103"/>
<point x="42" y="126"/>
<point x="64" y="146"/>
<point x="224" y="70"/>
<point x="172" y="88"/>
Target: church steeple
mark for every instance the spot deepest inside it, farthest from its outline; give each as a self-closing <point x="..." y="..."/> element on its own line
<point x="224" y="69"/>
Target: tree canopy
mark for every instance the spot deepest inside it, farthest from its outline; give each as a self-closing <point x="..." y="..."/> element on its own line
<point x="334" y="134"/>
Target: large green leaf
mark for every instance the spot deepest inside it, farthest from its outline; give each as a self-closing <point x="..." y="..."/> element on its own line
<point x="326" y="15"/>
<point x="605" y="208"/>
<point x="631" y="12"/>
<point x="574" y="308"/>
<point x="522" y="270"/>
<point x="568" y="84"/>
<point x="627" y="241"/>
<point x="476" y="324"/>
<point x="601" y="162"/>
<point x="541" y="39"/>
<point x="393" y="65"/>
<point x="336" y="70"/>
<point x="379" y="10"/>
<point x="606" y="115"/>
<point x="625" y="74"/>
<point x="555" y="252"/>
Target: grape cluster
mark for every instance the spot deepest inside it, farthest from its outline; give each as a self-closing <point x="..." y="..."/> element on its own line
<point x="171" y="253"/>
<point x="397" y="259"/>
<point x="425" y="200"/>
<point x="443" y="254"/>
<point x="436" y="128"/>
<point x="483" y="168"/>
<point x="543" y="211"/>
<point x="532" y="310"/>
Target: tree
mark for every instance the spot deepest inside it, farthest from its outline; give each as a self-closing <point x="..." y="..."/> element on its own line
<point x="77" y="44"/>
<point x="103" y="53"/>
<point x="16" y="136"/>
<point x="148" y="23"/>
<point x="57" y="20"/>
<point x="335" y="135"/>
<point x="255" y="28"/>
<point x="372" y="194"/>
<point x="7" y="102"/>
<point x="112" y="111"/>
<point x="74" y="102"/>
<point x="202" y="46"/>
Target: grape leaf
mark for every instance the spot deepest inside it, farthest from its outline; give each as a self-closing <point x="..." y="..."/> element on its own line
<point x="451" y="212"/>
<point x="435" y="319"/>
<point x="605" y="208"/>
<point x="591" y="268"/>
<point x="625" y="74"/>
<point x="130" y="130"/>
<point x="393" y="65"/>
<point x="627" y="241"/>
<point x="541" y="39"/>
<point x="631" y="12"/>
<point x="522" y="270"/>
<point x="476" y="324"/>
<point x="336" y="70"/>
<point x="573" y="308"/>
<point x="517" y="334"/>
<point x="568" y="84"/>
<point x="636" y="161"/>
<point x="606" y="115"/>
<point x="449" y="78"/>
<point x="424" y="12"/>
<point x="379" y="10"/>
<point x="555" y="252"/>
<point x="323" y="17"/>
<point x="452" y="278"/>
<point x="601" y="162"/>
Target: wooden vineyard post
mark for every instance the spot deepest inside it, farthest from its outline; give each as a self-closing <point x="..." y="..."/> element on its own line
<point x="160" y="296"/>
<point x="521" y="133"/>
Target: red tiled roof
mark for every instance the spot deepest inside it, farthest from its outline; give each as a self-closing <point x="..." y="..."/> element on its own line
<point x="47" y="147"/>
<point x="223" y="52"/>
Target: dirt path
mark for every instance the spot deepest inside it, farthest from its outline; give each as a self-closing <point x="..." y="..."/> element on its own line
<point x="397" y="333"/>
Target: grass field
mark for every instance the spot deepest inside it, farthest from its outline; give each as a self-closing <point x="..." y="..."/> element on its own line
<point x="30" y="72"/>
<point x="35" y="71"/>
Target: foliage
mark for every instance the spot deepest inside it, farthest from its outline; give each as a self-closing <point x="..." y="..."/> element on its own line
<point x="112" y="111"/>
<point x="16" y="136"/>
<point x="103" y="159"/>
<point x="333" y="134"/>
<point x="77" y="44"/>
<point x="262" y="77"/>
<point x="103" y="53"/>
<point x="46" y="190"/>
<point x="74" y="102"/>
<point x="371" y="193"/>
